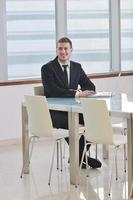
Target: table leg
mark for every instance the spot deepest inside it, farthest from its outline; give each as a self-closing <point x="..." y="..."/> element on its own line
<point x="105" y="151"/>
<point x="130" y="155"/>
<point x="73" y="121"/>
<point x="25" y="140"/>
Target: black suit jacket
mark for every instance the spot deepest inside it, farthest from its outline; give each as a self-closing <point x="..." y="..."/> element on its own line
<point x="54" y="81"/>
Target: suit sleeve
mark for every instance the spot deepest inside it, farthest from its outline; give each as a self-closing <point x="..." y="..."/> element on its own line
<point x="51" y="88"/>
<point x="85" y="82"/>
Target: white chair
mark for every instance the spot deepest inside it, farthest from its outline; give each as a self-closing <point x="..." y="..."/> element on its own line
<point x="39" y="90"/>
<point x="119" y="127"/>
<point x="99" y="128"/>
<point x="40" y="125"/>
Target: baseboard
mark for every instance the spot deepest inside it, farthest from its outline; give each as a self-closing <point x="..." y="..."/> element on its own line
<point x="18" y="141"/>
<point x="13" y="141"/>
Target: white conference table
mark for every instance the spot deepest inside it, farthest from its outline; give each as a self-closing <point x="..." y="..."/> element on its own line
<point x="119" y="105"/>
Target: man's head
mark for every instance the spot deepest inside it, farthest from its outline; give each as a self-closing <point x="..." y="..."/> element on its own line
<point x="64" y="49"/>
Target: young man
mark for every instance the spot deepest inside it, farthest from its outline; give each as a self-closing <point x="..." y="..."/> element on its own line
<point x="62" y="77"/>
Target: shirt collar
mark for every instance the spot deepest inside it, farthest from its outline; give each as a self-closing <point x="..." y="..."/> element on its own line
<point x="63" y="64"/>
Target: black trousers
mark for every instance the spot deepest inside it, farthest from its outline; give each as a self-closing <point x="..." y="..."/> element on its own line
<point x="60" y="120"/>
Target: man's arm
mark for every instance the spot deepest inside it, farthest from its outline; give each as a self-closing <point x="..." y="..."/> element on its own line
<point x="86" y="85"/>
<point x="51" y="88"/>
<point x="85" y="82"/>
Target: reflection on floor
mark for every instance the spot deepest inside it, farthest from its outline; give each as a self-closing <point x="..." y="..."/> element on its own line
<point x="34" y="186"/>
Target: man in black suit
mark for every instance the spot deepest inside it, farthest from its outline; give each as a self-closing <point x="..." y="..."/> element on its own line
<point x="62" y="77"/>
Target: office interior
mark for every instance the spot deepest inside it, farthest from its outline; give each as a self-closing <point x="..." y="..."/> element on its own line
<point x="118" y="77"/>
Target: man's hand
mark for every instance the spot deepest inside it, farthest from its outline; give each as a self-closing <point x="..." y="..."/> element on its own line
<point x="86" y="93"/>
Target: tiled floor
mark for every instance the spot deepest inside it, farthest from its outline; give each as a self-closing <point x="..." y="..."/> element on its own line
<point x="34" y="186"/>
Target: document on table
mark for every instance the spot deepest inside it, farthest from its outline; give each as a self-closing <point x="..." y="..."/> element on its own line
<point x="101" y="94"/>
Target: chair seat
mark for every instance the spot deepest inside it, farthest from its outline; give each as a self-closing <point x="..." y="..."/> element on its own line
<point x="63" y="133"/>
<point x="60" y="133"/>
<point x="81" y="128"/>
<point x="119" y="139"/>
<point x="118" y="127"/>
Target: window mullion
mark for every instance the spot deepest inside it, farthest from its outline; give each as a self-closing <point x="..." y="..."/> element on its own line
<point x="115" y="35"/>
<point x="61" y="18"/>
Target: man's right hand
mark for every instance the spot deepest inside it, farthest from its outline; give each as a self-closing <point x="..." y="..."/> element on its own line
<point x="86" y="93"/>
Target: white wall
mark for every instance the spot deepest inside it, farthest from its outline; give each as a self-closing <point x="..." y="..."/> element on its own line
<point x="12" y="96"/>
<point x="10" y="110"/>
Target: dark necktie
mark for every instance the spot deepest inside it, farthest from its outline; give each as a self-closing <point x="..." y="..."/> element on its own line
<point x="65" y="73"/>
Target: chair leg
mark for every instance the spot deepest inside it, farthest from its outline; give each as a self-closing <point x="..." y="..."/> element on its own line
<point x="64" y="149"/>
<point x="125" y="152"/>
<point x="61" y="155"/>
<point x="124" y="157"/>
<point x="96" y="152"/>
<point x="83" y="154"/>
<point x="82" y="157"/>
<point x="31" y="141"/>
<point x="57" y="142"/>
<point x="52" y="162"/>
<point x="22" y="171"/>
<point x="116" y="168"/>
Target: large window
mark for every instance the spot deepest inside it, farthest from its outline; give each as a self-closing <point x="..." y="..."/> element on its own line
<point x="88" y="27"/>
<point x="126" y="35"/>
<point x="101" y="32"/>
<point x="30" y="36"/>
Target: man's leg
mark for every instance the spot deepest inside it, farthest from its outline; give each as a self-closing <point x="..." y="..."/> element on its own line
<point x="91" y="161"/>
<point x="60" y="120"/>
<point x="81" y="140"/>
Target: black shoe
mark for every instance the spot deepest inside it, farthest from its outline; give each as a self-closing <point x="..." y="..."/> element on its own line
<point x="93" y="163"/>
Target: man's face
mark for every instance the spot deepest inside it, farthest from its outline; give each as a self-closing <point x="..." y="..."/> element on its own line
<point x="64" y="52"/>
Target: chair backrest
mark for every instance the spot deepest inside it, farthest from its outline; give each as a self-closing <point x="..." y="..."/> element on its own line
<point x="39" y="120"/>
<point x="39" y="90"/>
<point x="97" y="121"/>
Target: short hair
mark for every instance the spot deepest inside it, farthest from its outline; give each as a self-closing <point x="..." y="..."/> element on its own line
<point x="65" y="40"/>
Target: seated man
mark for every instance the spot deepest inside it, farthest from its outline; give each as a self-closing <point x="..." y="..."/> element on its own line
<point x="61" y="78"/>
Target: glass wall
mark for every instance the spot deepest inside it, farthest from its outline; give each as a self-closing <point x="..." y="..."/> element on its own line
<point x="30" y="36"/>
<point x="88" y="27"/>
<point x="33" y="26"/>
<point x="126" y="35"/>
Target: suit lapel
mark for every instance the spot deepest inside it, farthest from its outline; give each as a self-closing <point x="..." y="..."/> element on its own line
<point x="72" y="75"/>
